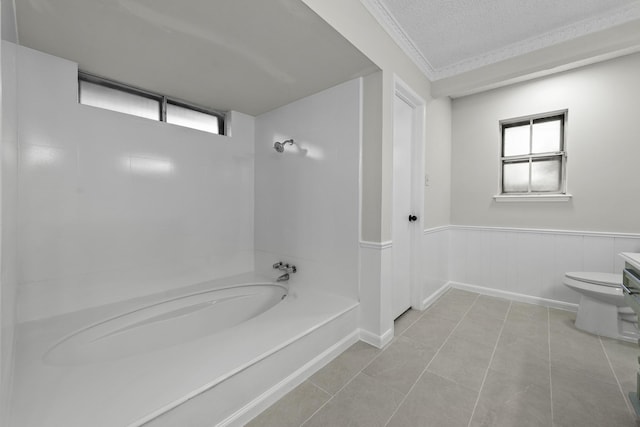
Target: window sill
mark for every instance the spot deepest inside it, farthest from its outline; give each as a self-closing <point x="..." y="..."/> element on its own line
<point x="532" y="198"/>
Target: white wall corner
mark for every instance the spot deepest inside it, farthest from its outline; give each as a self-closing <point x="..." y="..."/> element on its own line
<point x="375" y="292"/>
<point x="428" y="301"/>
<point x="376" y="340"/>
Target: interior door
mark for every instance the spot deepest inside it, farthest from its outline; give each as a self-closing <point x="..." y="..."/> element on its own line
<point x="402" y="227"/>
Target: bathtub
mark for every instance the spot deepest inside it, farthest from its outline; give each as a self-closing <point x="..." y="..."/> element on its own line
<point x="221" y="351"/>
<point x="166" y="323"/>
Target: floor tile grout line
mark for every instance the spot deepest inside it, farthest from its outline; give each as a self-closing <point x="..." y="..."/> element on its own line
<point x="338" y="391"/>
<point x="624" y="397"/>
<point x="364" y="367"/>
<point x="486" y="373"/>
<point x="448" y="339"/>
<point x="353" y="377"/>
<point x="550" y="380"/>
<point x="423" y="312"/>
<point x="430" y="361"/>
<point x="420" y="316"/>
<point x="318" y="387"/>
<point x="328" y="400"/>
<point x="412" y="323"/>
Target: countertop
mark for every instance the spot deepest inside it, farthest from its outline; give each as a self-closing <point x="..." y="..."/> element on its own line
<point x="631" y="258"/>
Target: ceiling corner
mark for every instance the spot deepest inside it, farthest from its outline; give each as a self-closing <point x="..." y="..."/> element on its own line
<point x="386" y="20"/>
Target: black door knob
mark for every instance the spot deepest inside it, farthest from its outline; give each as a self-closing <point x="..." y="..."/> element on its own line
<point x="412" y="218"/>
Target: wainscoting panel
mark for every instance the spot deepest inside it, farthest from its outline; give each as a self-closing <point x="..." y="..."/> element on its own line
<point x="435" y="270"/>
<point x="527" y="262"/>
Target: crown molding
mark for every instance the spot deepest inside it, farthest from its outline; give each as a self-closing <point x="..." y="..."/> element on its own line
<point x="601" y="22"/>
<point x="387" y="21"/>
<point x="582" y="28"/>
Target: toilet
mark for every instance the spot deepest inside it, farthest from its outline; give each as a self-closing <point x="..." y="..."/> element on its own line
<point x="602" y="308"/>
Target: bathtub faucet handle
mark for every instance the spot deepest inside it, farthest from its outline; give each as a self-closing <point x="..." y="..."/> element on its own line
<point x="287" y="268"/>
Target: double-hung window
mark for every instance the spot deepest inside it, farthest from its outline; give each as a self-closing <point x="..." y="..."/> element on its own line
<point x="534" y="157"/>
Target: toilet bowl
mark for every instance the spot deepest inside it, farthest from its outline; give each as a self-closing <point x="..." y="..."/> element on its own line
<point x="602" y="308"/>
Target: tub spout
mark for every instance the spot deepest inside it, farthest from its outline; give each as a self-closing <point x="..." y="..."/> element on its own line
<point x="286" y="268"/>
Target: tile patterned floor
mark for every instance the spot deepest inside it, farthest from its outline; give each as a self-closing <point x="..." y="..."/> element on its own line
<point x="470" y="360"/>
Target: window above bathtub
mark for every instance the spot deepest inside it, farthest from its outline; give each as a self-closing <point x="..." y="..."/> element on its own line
<point x="102" y="93"/>
<point x="533" y="158"/>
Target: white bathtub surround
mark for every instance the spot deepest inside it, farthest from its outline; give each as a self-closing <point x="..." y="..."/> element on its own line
<point x="283" y="370"/>
<point x="9" y="220"/>
<point x="117" y="212"/>
<point x="129" y="390"/>
<point x="307" y="197"/>
<point x="114" y="206"/>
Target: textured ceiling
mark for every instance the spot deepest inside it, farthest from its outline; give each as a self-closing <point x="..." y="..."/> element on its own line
<point x="256" y="55"/>
<point x="244" y="55"/>
<point x="449" y="37"/>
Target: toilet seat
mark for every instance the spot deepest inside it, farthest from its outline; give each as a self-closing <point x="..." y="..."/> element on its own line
<point x="602" y="279"/>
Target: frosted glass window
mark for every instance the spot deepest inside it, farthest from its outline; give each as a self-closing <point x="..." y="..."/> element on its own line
<point x="99" y="92"/>
<point x="119" y="100"/>
<point x="182" y="116"/>
<point x="515" y="177"/>
<point x="516" y="140"/>
<point x="546" y="136"/>
<point x="533" y="154"/>
<point x="545" y="175"/>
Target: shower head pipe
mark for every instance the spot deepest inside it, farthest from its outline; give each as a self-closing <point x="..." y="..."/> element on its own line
<point x="279" y="146"/>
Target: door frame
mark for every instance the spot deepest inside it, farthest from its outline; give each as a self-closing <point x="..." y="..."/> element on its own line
<point x="405" y="93"/>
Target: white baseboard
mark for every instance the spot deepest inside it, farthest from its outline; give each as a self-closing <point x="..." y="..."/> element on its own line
<point x="513" y="296"/>
<point x="434" y="296"/>
<point x="269" y="397"/>
<point x="378" y="341"/>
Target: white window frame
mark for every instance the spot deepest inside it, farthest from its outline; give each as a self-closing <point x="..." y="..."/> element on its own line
<point x="161" y="99"/>
<point x="561" y="194"/>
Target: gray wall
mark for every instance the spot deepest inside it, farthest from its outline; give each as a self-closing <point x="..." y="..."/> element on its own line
<point x="603" y="143"/>
<point x="351" y="19"/>
<point x="9" y="30"/>
<point x="437" y="191"/>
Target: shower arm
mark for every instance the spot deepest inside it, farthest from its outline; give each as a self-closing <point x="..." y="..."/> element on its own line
<point x="279" y="146"/>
